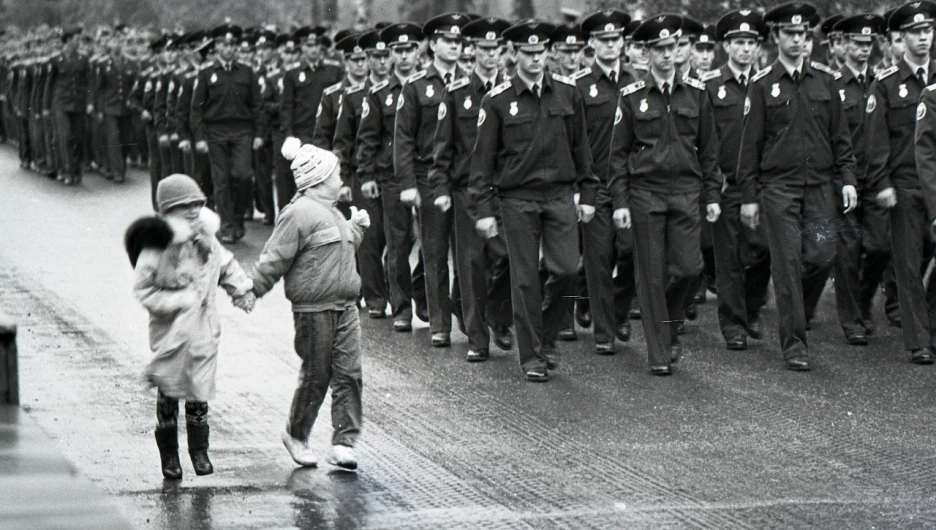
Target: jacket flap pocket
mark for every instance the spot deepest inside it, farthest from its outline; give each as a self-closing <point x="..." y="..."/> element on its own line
<point x="323" y="237"/>
<point x="561" y="111"/>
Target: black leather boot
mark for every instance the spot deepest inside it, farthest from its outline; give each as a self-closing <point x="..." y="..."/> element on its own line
<point x="167" y="439"/>
<point x="198" y="448"/>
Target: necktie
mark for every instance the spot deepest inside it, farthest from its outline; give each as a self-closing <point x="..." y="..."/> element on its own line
<point x="487" y="86"/>
<point x="613" y="76"/>
<point x="666" y="92"/>
<point x="921" y="73"/>
<point x="448" y="78"/>
<point x="536" y="90"/>
<point x="796" y="77"/>
<point x="743" y="81"/>
<point x="861" y="79"/>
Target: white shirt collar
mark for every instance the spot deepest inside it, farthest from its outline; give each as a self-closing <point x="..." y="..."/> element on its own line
<point x="607" y="71"/>
<point x="492" y="79"/>
<point x="791" y="68"/>
<point x="738" y="73"/>
<point x="671" y="80"/>
<point x="915" y="67"/>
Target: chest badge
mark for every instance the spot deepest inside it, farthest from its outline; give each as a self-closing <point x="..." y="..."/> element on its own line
<point x="722" y="93"/>
<point x="467" y="103"/>
<point x="775" y="90"/>
<point x="389" y="101"/>
<point x="302" y="77"/>
<point x="513" y="108"/>
<point x="842" y="94"/>
<point x="429" y="91"/>
<point x="214" y="78"/>
<point x="902" y="90"/>
<point x="593" y="91"/>
<point x="643" y="105"/>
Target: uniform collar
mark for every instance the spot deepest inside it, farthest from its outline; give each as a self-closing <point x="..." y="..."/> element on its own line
<point x="483" y="80"/>
<point x="435" y="70"/>
<point x="848" y="73"/>
<point x="736" y="73"/>
<point x="227" y="66"/>
<point x="792" y="68"/>
<point x="659" y="81"/>
<point x="909" y="69"/>
<point x="607" y="71"/>
<point x="520" y="84"/>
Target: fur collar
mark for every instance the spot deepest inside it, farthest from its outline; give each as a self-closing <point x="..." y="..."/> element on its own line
<point x="209" y="223"/>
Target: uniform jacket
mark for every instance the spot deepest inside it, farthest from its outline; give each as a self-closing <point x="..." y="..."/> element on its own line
<point x="313" y="246"/>
<point x="531" y="148"/>
<point x="67" y="87"/>
<point x="227" y="98"/>
<point x="664" y="148"/>
<point x="600" y="95"/>
<point x="178" y="284"/>
<point x="854" y="95"/>
<point x="891" y="119"/>
<point x="271" y="92"/>
<point x="925" y="148"/>
<point x="327" y="115"/>
<point x="350" y="108"/>
<point x="728" y="99"/>
<point x="374" y="154"/>
<point x="794" y="135"/>
<point x="115" y="79"/>
<point x="302" y="92"/>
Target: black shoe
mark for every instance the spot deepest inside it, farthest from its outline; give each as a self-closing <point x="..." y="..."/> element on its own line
<point x="754" y="329"/>
<point x="198" y="448"/>
<point x="921" y="356"/>
<point x="422" y="312"/>
<point x="476" y="356"/>
<point x="376" y="314"/>
<point x="692" y="312"/>
<point x="502" y="337"/>
<point x="441" y="340"/>
<point x="623" y="332"/>
<point x="568" y="335"/>
<point x="634" y="314"/>
<point x="605" y="348"/>
<point x="583" y="318"/>
<point x="737" y="344"/>
<point x="661" y="369"/>
<point x="402" y="325"/>
<point x="167" y="439"/>
<point x="856" y="339"/>
<point x="676" y="352"/>
<point x="537" y="376"/>
<point x="681" y="328"/>
<point x="239" y="233"/>
<point x="800" y="364"/>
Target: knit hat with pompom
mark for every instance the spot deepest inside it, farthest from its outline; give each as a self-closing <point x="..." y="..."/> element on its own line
<point x="177" y="189"/>
<point x="310" y="165"/>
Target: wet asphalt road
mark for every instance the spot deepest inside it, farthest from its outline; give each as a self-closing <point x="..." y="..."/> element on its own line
<point x="732" y="440"/>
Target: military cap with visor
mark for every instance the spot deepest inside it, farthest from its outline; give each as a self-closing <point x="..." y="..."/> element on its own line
<point x="447" y="25"/>
<point x="341" y="34"/>
<point x="603" y="24"/>
<point x="531" y="36"/>
<point x="486" y="30"/>
<point x="630" y="28"/>
<point x="264" y="37"/>
<point x="227" y="32"/>
<point x="371" y="42"/>
<point x="828" y="25"/>
<point x="309" y="33"/>
<point x="740" y="23"/>
<point x="286" y="40"/>
<point x="912" y="15"/>
<point x="567" y="37"/>
<point x="661" y="30"/>
<point x="350" y="46"/>
<point x="801" y="15"/>
<point x="401" y="34"/>
<point x="861" y="28"/>
<point x="706" y="39"/>
<point x="691" y="29"/>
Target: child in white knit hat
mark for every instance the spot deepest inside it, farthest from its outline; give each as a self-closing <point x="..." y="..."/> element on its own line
<point x="313" y="247"/>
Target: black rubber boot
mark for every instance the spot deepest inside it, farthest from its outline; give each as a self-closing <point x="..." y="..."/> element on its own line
<point x="198" y="448"/>
<point x="167" y="439"/>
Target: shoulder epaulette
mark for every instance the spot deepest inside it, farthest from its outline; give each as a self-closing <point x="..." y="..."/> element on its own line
<point x="825" y="69"/>
<point x="633" y="87"/>
<point x="931" y="88"/>
<point x="694" y="83"/>
<point x="379" y="86"/>
<point x="353" y="88"/>
<point x="273" y="73"/>
<point x="418" y="75"/>
<point x="458" y="83"/>
<point x="331" y="62"/>
<point x="581" y="73"/>
<point x="763" y="73"/>
<point x="334" y="88"/>
<point x="292" y="66"/>
<point x="708" y="76"/>
<point x="563" y="79"/>
<point x="887" y="72"/>
<point x="499" y="89"/>
<point x="204" y="67"/>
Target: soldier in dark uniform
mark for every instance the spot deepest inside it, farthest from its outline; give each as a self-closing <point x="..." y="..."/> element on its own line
<point x="689" y="35"/>
<point x="355" y="60"/>
<point x="117" y="74"/>
<point x="664" y="154"/>
<point x="141" y="100"/>
<point x="304" y="85"/>
<point x="703" y="51"/>
<point x="67" y="97"/>
<point x="532" y="153"/>
<point x="375" y="171"/>
<point x="263" y="43"/>
<point x="272" y="93"/>
<point x="833" y="42"/>
<point x="228" y="123"/>
<point x="864" y="231"/>
<point x="795" y="145"/>
<point x="483" y="266"/>
<point x="893" y="174"/>
<point x="417" y="110"/>
<point x="196" y="163"/>
<point x="741" y="256"/>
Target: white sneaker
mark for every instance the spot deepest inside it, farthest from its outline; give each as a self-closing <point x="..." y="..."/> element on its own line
<point x="299" y="451"/>
<point x="343" y="457"/>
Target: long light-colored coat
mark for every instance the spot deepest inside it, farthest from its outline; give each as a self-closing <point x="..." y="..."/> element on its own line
<point x="178" y="286"/>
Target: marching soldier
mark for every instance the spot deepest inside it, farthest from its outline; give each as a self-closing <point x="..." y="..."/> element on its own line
<point x="532" y="152"/>
<point x="703" y="51"/>
<point x="263" y="43"/>
<point x="117" y="74"/>
<point x="795" y="144"/>
<point x="355" y="61"/>
<point x="304" y="85"/>
<point x="67" y="95"/>
<point x="833" y="42"/>
<point x="272" y="94"/>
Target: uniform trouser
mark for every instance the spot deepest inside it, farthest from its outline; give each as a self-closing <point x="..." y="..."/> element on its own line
<point x="666" y="248"/>
<point x="625" y="283"/>
<point x="282" y="177"/>
<point x="25" y="142"/>
<point x="483" y="276"/>
<point x="435" y="233"/>
<point x="99" y="143"/>
<point x="137" y="147"/>
<point x="742" y="268"/>
<point x="198" y="167"/>
<point x="539" y="312"/>
<point x="910" y="234"/>
<point x="329" y="345"/>
<point x="405" y="286"/>
<point x="38" y="151"/>
<point x="875" y="258"/>
<point x="847" y="274"/>
<point x="48" y="141"/>
<point x="117" y="129"/>
<point x="155" y="163"/>
<point x="801" y="234"/>
<point x="70" y="127"/>
<point x="599" y="257"/>
<point x="230" y="152"/>
<point x="370" y="253"/>
<point x="263" y="178"/>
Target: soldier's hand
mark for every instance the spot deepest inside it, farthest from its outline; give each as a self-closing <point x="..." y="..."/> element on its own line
<point x="487" y="227"/>
<point x="750" y="216"/>
<point x="174" y="137"/>
<point x="443" y="203"/>
<point x="621" y="218"/>
<point x="257" y="143"/>
<point x="360" y="217"/>
<point x="163" y="140"/>
<point x="201" y="146"/>
<point x="370" y="190"/>
<point x="146" y="115"/>
<point x="712" y="212"/>
<point x="410" y="197"/>
<point x="585" y="213"/>
<point x="185" y="146"/>
<point x="344" y="195"/>
<point x="849" y="198"/>
<point x="887" y="198"/>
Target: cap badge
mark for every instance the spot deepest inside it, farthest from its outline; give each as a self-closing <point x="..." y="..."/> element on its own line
<point x="513" y="108"/>
<point x="796" y="19"/>
<point x="661" y="19"/>
<point x="593" y="91"/>
<point x="261" y="40"/>
<point x="609" y="27"/>
<point x="643" y="105"/>
<point x="919" y="17"/>
<point x="534" y="39"/>
<point x="744" y="27"/>
<point x="722" y="93"/>
<point x="775" y="90"/>
<point x="381" y="45"/>
<point x="491" y="35"/>
<point x="455" y="30"/>
<point x="357" y="49"/>
<point x="902" y="90"/>
<point x="429" y="91"/>
<point x="229" y="36"/>
<point x="570" y="39"/>
<point x="745" y="12"/>
<point x="467" y="104"/>
<point x="703" y="38"/>
<point x="664" y="33"/>
<point x="403" y="38"/>
<point x="865" y="31"/>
